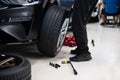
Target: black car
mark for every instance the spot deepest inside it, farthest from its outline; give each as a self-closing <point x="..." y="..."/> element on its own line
<point x="44" y="22"/>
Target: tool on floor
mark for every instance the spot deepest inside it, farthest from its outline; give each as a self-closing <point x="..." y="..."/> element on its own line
<point x="65" y="62"/>
<point x="54" y="65"/>
<point x="57" y="65"/>
<point x="93" y="42"/>
<point x="69" y="62"/>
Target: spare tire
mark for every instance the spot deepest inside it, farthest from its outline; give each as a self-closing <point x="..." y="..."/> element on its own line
<point x="21" y="71"/>
<point x="53" y="31"/>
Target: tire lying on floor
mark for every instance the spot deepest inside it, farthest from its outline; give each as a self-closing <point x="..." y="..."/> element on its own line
<point x="21" y="71"/>
<point x="53" y="31"/>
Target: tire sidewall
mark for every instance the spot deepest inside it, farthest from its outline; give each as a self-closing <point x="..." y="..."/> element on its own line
<point x="48" y="39"/>
<point x="18" y="72"/>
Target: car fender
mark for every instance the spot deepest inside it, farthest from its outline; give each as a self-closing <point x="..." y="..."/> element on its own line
<point x="15" y="30"/>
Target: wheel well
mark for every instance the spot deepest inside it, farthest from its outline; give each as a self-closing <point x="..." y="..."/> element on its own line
<point x="47" y="4"/>
<point x="50" y="2"/>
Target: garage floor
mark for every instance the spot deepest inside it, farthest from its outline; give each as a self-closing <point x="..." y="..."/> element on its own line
<point x="105" y="64"/>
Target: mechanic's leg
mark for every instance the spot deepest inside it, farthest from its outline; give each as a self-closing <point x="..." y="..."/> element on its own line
<point x="80" y="16"/>
<point x="103" y="17"/>
<point x="118" y="19"/>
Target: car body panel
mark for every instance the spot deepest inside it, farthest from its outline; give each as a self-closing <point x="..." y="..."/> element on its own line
<point x="25" y="19"/>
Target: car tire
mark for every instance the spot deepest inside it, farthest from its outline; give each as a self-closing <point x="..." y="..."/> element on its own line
<point x="53" y="31"/>
<point x="21" y="71"/>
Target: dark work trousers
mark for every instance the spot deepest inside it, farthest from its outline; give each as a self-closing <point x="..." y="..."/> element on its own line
<point x="81" y="11"/>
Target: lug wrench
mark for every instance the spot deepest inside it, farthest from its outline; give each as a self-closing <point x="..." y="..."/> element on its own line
<point x="74" y="70"/>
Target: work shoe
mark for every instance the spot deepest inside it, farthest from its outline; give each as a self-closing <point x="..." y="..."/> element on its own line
<point x="76" y="51"/>
<point x="102" y="23"/>
<point x="118" y="24"/>
<point x="81" y="57"/>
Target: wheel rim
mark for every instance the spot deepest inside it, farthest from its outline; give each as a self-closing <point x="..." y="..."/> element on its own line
<point x="12" y="61"/>
<point x="62" y="34"/>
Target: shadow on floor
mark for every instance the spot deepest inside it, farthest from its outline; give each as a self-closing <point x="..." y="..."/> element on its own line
<point x="25" y="50"/>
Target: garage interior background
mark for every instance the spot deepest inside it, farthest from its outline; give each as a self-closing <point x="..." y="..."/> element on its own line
<point x="104" y="65"/>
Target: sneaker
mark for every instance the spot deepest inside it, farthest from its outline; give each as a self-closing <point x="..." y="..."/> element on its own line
<point x="81" y="57"/>
<point x="102" y="24"/>
<point x="118" y="24"/>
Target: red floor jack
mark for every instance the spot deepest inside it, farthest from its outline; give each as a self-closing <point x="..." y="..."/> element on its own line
<point x="69" y="41"/>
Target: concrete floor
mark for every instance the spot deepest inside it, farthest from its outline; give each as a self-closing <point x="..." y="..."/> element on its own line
<point x="105" y="64"/>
